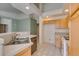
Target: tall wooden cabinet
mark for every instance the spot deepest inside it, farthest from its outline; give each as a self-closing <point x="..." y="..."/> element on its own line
<point x="74" y="37"/>
<point x="73" y="26"/>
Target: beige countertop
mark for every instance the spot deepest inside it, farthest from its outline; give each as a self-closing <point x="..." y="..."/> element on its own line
<point x="12" y="50"/>
<point x="31" y="36"/>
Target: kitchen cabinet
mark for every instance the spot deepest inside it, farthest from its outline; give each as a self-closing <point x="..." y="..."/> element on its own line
<point x="76" y="14"/>
<point x="34" y="46"/>
<point x="72" y="7"/>
<point x="60" y="23"/>
<point x="3" y="28"/>
<point x="49" y="22"/>
<point x="63" y="23"/>
<point x="73" y="30"/>
<point x="74" y="37"/>
<point x="57" y="23"/>
<point x="25" y="52"/>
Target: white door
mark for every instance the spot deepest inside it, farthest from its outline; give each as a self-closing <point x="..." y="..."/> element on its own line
<point x="49" y="33"/>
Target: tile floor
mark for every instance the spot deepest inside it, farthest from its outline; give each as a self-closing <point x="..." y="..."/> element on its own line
<point x="47" y="50"/>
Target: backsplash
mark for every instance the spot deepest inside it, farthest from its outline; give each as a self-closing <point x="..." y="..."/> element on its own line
<point x="62" y="30"/>
<point x="22" y="34"/>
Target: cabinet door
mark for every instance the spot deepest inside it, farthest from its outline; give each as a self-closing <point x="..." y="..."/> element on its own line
<point x="64" y="23"/>
<point x="25" y="52"/>
<point x="34" y="46"/>
<point x="57" y="23"/>
<point x="29" y="52"/>
<point x="74" y="37"/>
<point x="72" y="7"/>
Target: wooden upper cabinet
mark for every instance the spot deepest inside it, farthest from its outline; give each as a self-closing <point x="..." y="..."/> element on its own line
<point x="63" y="23"/>
<point x="72" y="7"/>
<point x="49" y="22"/>
<point x="57" y="23"/>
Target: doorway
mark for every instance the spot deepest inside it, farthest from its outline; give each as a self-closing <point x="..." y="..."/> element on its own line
<point x="49" y="33"/>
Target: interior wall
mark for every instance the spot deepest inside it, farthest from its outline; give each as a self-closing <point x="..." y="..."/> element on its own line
<point x="33" y="26"/>
<point x="8" y="22"/>
<point x="21" y="25"/>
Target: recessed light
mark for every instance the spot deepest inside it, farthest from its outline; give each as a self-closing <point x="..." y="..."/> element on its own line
<point x="46" y="16"/>
<point x="66" y="10"/>
<point x="27" y="7"/>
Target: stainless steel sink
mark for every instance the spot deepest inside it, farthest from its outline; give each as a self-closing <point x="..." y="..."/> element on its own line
<point x="19" y="41"/>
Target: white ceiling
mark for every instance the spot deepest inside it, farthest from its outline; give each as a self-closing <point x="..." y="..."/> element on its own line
<point x="53" y="10"/>
<point x="9" y="8"/>
<point x="18" y="10"/>
<point x="52" y="6"/>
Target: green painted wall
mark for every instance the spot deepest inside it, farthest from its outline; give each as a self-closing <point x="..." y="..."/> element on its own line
<point x="33" y="26"/>
<point x="25" y="25"/>
<point x="14" y="29"/>
<point x="20" y="25"/>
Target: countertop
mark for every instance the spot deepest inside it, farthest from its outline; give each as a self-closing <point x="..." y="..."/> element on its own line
<point x="12" y="50"/>
<point x="31" y="36"/>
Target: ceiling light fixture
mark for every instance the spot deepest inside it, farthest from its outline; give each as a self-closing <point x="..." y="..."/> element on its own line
<point x="46" y="16"/>
<point x="66" y="10"/>
<point x="27" y="7"/>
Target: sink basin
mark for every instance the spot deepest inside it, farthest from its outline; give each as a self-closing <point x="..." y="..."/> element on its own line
<point x="20" y="41"/>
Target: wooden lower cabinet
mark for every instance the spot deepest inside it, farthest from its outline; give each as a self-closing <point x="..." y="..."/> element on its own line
<point x="34" y="46"/>
<point x="74" y="37"/>
<point x="25" y="52"/>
